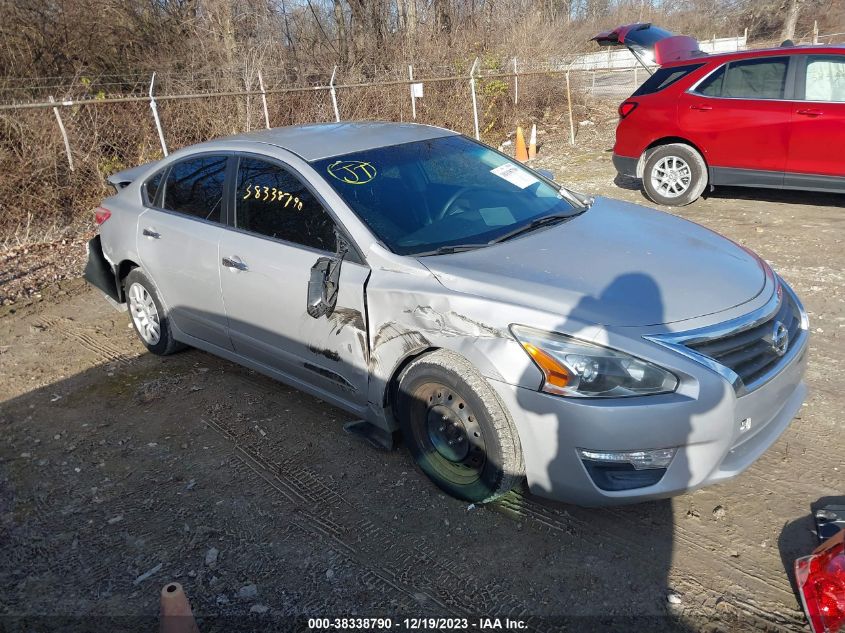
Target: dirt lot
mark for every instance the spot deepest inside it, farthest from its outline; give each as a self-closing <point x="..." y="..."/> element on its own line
<point x="120" y="471"/>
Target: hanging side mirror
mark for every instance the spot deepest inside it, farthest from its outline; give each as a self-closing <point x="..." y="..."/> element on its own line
<point x="323" y="283"/>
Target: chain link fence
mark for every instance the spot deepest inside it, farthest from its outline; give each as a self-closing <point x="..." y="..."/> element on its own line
<point x="60" y="137"/>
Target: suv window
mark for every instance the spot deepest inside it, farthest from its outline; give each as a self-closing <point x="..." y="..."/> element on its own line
<point x="663" y="78"/>
<point x="757" y="78"/>
<point x="195" y="187"/>
<point x="271" y="201"/>
<point x="825" y="78"/>
<point x="712" y="85"/>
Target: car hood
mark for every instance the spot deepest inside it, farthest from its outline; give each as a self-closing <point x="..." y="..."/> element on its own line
<point x="617" y="264"/>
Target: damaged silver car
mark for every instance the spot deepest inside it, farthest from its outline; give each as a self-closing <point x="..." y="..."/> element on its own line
<point x="509" y="328"/>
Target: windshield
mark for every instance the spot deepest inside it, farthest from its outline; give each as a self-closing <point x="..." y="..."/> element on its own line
<point x="427" y="195"/>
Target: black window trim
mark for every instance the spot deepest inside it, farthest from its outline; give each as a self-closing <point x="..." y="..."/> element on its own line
<point x="353" y="256"/>
<point x="157" y="204"/>
<point x="789" y="83"/>
<point x="801" y="76"/>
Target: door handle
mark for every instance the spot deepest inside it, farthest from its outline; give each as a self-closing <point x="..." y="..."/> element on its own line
<point x="702" y="107"/>
<point x="810" y="112"/>
<point x="235" y="263"/>
<point x="150" y="233"/>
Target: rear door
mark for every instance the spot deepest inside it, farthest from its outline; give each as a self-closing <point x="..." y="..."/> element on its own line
<point x="280" y="230"/>
<point x="818" y="122"/>
<point x="178" y="235"/>
<point x="738" y="116"/>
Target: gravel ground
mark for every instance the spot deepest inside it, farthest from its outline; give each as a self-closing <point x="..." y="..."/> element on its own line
<point x="121" y="471"/>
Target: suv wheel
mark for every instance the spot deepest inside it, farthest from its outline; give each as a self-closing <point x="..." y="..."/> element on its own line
<point x="674" y="175"/>
<point x="457" y="429"/>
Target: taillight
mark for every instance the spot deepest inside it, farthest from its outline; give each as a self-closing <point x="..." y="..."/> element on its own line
<point x="626" y="107"/>
<point x="101" y="214"/>
<point x="821" y="583"/>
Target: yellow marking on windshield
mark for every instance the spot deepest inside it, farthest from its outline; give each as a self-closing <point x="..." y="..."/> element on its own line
<point x="352" y="172"/>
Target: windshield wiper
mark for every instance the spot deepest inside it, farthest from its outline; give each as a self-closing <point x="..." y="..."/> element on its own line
<point x="451" y="248"/>
<point x="546" y="220"/>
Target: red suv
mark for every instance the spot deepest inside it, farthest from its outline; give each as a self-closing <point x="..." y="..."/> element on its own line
<point x="759" y="118"/>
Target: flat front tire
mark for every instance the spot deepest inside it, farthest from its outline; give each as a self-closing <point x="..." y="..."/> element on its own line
<point x="148" y="315"/>
<point x="457" y="428"/>
<point x="674" y="175"/>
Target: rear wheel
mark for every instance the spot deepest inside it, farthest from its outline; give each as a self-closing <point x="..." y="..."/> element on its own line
<point x="674" y="175"/>
<point x="149" y="318"/>
<point x="457" y="429"/>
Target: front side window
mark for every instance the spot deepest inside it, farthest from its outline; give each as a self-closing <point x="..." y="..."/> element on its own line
<point x="271" y="201"/>
<point x="825" y="78"/>
<point x="759" y="78"/>
<point x="195" y="187"/>
<point x="422" y="196"/>
<point x="663" y="78"/>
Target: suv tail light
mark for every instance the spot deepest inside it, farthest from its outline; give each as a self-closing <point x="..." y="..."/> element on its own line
<point x="626" y="107"/>
<point x="821" y="583"/>
<point x="101" y="214"/>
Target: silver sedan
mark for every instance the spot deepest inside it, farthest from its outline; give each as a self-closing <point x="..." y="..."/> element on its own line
<point x="510" y="329"/>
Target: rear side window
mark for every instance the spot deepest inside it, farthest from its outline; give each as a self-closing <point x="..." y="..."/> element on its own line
<point x="151" y="187"/>
<point x="825" y="78"/>
<point x="712" y="85"/>
<point x="195" y="187"/>
<point x="762" y="78"/>
<point x="271" y="201"/>
<point x="663" y="78"/>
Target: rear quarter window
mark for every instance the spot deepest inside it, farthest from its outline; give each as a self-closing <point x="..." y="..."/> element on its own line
<point x="663" y="78"/>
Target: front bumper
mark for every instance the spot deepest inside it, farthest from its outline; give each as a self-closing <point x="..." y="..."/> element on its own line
<point x="706" y="430"/>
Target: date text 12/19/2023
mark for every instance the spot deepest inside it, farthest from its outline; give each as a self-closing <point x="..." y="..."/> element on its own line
<point x="416" y="624"/>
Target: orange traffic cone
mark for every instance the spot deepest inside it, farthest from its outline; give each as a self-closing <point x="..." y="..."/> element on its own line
<point x="532" y="143"/>
<point x="521" y="153"/>
<point x="176" y="615"/>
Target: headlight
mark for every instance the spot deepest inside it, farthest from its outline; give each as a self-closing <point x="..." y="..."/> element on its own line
<point x="575" y="368"/>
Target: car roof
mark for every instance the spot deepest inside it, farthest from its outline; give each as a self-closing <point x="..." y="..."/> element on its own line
<point x="761" y="52"/>
<point x="324" y="140"/>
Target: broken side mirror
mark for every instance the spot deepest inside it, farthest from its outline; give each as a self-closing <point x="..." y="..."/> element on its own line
<point x="323" y="283"/>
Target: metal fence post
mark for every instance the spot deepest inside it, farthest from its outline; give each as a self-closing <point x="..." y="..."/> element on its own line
<point x="64" y="134"/>
<point x="411" y="88"/>
<point x="264" y="100"/>
<point x="334" y="95"/>
<point x="515" y="83"/>
<point x="474" y="102"/>
<point x="569" y="103"/>
<point x="154" y="108"/>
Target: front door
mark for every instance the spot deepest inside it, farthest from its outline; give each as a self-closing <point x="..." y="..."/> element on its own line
<point x="818" y="121"/>
<point x="178" y="236"/>
<point x="738" y="116"/>
<point x="280" y="230"/>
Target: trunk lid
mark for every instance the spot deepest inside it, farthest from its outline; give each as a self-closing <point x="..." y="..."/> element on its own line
<point x="122" y="179"/>
<point x="651" y="44"/>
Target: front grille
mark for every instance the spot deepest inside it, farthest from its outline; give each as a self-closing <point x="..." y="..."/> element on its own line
<point x="749" y="352"/>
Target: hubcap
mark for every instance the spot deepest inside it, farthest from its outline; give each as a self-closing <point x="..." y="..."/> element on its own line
<point x="671" y="176"/>
<point x="144" y="314"/>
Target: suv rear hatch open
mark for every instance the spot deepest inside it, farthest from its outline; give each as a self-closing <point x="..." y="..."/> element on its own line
<point x="651" y="44"/>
